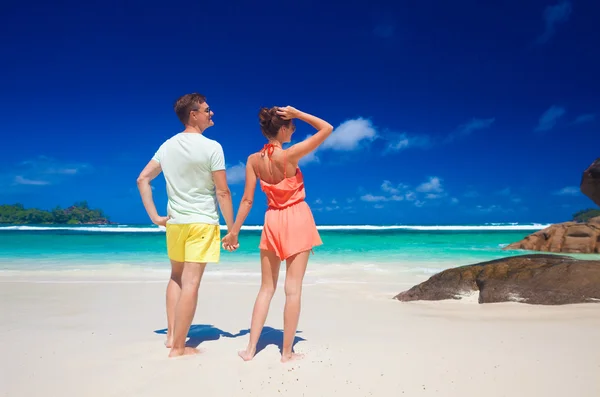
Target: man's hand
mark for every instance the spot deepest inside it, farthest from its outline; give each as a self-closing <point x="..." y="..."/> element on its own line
<point x="230" y="242"/>
<point x="161" y="220"/>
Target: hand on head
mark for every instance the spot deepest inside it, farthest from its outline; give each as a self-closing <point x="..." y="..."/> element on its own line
<point x="287" y="112"/>
<point x="230" y="242"/>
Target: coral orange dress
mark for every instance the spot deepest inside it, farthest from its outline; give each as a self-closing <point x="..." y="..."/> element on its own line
<point x="289" y="223"/>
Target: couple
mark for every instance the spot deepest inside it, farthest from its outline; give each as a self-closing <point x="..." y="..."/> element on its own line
<point x="194" y="170"/>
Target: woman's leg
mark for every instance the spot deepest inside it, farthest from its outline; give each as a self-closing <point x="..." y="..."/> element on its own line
<point x="269" y="263"/>
<point x="296" y="268"/>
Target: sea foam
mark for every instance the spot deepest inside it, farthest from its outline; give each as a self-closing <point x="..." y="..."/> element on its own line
<point x="159" y="229"/>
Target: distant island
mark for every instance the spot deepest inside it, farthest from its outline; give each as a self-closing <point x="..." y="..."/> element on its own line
<point x="77" y="214"/>
<point x="586" y="215"/>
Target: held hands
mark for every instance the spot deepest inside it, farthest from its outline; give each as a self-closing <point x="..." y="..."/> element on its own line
<point x="230" y="242"/>
<point x="288" y="112"/>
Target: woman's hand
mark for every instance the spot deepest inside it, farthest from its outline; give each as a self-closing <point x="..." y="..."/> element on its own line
<point x="288" y="112"/>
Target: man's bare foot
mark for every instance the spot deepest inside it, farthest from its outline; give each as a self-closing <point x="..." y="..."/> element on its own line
<point x="246" y="355"/>
<point x="186" y="351"/>
<point x="169" y="343"/>
<point x="291" y="357"/>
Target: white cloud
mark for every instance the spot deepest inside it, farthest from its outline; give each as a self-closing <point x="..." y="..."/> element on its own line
<point x="554" y="15"/>
<point x="495" y="208"/>
<point x="490" y="208"/>
<point x="50" y="166"/>
<point x="430" y="190"/>
<point x="568" y="191"/>
<point x="433" y="185"/>
<point x="333" y="207"/>
<point x="358" y="133"/>
<point x="393" y="193"/>
<point x="19" y="180"/>
<point x="402" y="141"/>
<point x="309" y="158"/>
<point x="41" y="171"/>
<point x="585" y="118"/>
<point x="371" y="198"/>
<point x="398" y="142"/>
<point x="469" y="127"/>
<point x="236" y="174"/>
<point x="388" y="187"/>
<point x="549" y="118"/>
<point x="350" y="134"/>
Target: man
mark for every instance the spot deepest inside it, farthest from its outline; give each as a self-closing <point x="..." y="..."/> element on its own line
<point x="194" y="170"/>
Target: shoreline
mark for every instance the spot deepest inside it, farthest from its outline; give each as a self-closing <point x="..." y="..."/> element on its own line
<point x="509" y="226"/>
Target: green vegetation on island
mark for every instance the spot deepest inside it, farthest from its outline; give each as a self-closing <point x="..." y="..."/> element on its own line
<point x="79" y="213"/>
<point x="586" y="215"/>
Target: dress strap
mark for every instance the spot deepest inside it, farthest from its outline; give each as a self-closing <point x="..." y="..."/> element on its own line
<point x="255" y="166"/>
<point x="267" y="149"/>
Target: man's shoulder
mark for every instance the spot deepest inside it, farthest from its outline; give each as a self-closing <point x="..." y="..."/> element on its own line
<point x="170" y="139"/>
<point x="210" y="144"/>
<point x="211" y="140"/>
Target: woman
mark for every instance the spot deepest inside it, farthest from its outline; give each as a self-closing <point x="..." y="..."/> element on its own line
<point x="289" y="231"/>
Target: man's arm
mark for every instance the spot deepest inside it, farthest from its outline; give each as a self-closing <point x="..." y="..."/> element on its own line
<point x="247" y="199"/>
<point x="151" y="171"/>
<point x="217" y="165"/>
<point x="224" y="197"/>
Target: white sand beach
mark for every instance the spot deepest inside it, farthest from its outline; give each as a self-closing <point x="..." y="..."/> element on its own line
<point x="84" y="335"/>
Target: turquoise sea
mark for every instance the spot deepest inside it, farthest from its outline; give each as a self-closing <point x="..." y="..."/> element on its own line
<point x="415" y="249"/>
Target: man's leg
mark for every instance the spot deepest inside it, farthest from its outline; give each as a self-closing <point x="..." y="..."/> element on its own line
<point x="186" y="307"/>
<point x="173" y="293"/>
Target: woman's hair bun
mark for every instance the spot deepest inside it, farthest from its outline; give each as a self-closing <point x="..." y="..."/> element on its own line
<point x="270" y="122"/>
<point x="265" y="116"/>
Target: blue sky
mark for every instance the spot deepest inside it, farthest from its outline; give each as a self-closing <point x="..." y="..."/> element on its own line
<point x="445" y="112"/>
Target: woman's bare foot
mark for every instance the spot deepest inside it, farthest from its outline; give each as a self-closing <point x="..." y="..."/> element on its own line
<point x="169" y="342"/>
<point x="186" y="351"/>
<point x="247" y="354"/>
<point x="291" y="357"/>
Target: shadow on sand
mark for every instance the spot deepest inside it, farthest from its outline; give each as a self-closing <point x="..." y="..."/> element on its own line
<point x="206" y="332"/>
<point x="272" y="336"/>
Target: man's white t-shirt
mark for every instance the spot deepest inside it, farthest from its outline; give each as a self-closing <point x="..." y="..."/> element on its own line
<point x="187" y="161"/>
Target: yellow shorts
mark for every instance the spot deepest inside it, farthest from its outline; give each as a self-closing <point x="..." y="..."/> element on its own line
<point x="194" y="242"/>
